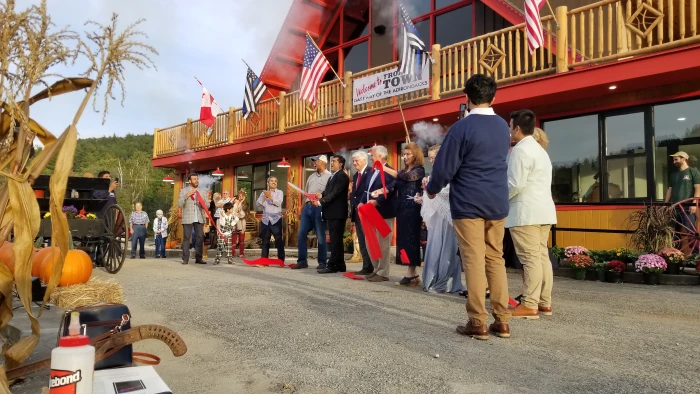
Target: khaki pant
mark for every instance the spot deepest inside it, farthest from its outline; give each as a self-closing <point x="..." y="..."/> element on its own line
<point x="381" y="266"/>
<point x="531" y="247"/>
<point x="481" y="249"/>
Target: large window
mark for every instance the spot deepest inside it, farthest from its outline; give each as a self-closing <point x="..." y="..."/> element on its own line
<point x="632" y="145"/>
<point x="254" y="177"/>
<point x="573" y="150"/>
<point x="347" y="45"/>
<point x="443" y="22"/>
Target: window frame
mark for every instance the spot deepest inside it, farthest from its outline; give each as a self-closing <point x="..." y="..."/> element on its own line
<point x="253" y="204"/>
<point x="339" y="17"/>
<point x="430" y="16"/>
<point x="650" y="147"/>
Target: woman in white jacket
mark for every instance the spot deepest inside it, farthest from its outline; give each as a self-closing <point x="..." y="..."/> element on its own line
<point x="442" y="270"/>
<point x="160" y="229"/>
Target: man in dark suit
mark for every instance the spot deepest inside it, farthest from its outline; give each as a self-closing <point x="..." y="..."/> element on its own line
<point x="358" y="196"/>
<point x="386" y="206"/>
<point x="334" y="209"/>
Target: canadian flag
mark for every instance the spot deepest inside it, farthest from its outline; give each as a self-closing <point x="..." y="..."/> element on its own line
<point x="210" y="108"/>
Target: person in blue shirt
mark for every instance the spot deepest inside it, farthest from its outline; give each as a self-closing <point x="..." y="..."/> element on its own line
<point x="472" y="160"/>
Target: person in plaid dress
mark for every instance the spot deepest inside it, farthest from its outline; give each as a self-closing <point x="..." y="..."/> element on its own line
<point x="227" y="225"/>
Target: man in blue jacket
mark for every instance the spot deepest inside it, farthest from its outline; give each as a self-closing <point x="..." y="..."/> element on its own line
<point x="386" y="206"/>
<point x="472" y="159"/>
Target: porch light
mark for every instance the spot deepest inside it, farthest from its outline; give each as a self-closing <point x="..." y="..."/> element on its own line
<point x="612" y="87"/>
<point x="284" y="163"/>
<point x="435" y="119"/>
<point x="218" y="172"/>
<point x="247" y="153"/>
<point x="169" y="179"/>
<point x="681" y="119"/>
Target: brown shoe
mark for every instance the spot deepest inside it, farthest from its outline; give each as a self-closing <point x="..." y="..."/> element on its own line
<point x="372" y="275"/>
<point x="500" y="329"/>
<point x="377" y="278"/>
<point x="478" y="332"/>
<point x="523" y="312"/>
<point x="545" y="310"/>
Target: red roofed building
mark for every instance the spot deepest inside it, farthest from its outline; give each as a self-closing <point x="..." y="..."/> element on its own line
<point x="615" y="88"/>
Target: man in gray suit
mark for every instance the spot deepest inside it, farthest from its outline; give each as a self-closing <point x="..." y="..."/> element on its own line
<point x="193" y="215"/>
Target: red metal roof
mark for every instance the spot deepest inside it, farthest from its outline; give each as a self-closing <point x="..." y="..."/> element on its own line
<point x="285" y="59"/>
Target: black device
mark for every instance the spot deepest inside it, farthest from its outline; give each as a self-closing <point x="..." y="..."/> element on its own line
<point x="463" y="111"/>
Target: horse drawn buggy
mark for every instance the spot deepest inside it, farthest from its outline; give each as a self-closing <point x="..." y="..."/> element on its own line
<point x="97" y="227"/>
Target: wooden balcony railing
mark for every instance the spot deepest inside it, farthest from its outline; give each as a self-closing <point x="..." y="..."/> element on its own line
<point x="601" y="32"/>
<point x="614" y="29"/>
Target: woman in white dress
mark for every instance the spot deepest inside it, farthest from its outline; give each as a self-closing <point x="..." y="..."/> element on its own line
<point x="442" y="270"/>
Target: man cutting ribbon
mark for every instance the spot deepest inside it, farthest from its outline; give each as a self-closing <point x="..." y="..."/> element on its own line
<point x="193" y="217"/>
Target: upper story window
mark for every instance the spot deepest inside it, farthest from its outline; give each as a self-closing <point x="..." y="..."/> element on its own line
<point x="443" y="22"/>
<point x="347" y="45"/>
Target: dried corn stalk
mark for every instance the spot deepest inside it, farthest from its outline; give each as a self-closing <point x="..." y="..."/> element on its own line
<point x="29" y="48"/>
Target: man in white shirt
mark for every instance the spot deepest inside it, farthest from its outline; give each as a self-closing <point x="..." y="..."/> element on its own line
<point x="531" y="214"/>
<point x="271" y="223"/>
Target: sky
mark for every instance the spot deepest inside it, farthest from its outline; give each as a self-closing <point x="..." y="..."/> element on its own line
<point x="202" y="38"/>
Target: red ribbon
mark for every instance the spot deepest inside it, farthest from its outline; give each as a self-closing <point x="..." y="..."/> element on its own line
<point x="206" y="211"/>
<point x="380" y="167"/>
<point x="371" y="220"/>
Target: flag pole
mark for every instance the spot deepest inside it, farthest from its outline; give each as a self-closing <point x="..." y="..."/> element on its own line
<point x="202" y="85"/>
<point x="408" y="137"/>
<point x="553" y="15"/>
<point x="268" y="91"/>
<point x="331" y="67"/>
<point x="329" y="143"/>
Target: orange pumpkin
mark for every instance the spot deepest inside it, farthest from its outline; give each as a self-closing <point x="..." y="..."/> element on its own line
<point x="7" y="255"/>
<point x="39" y="257"/>
<point x="76" y="269"/>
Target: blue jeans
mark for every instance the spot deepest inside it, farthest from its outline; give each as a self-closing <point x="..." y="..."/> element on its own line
<point x="160" y="246"/>
<point x="139" y="236"/>
<point x="311" y="220"/>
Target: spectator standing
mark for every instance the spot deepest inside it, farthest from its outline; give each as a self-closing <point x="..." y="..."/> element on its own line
<point x="138" y="221"/>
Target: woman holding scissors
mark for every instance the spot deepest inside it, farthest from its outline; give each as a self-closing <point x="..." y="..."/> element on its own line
<point x="408" y="219"/>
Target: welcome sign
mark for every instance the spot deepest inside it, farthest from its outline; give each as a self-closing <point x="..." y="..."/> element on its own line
<point x="386" y="84"/>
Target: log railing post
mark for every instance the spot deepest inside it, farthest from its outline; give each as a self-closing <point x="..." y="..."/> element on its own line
<point x="435" y="85"/>
<point x="621" y="29"/>
<point x="563" y="40"/>
<point x="231" y="125"/>
<point x="189" y="134"/>
<point x="282" y="112"/>
<point x="156" y="142"/>
<point x="347" y="95"/>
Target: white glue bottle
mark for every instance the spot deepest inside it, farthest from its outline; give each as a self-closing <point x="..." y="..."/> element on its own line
<point x="72" y="362"/>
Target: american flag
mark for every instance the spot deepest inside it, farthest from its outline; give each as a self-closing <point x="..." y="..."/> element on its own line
<point x="315" y="68"/>
<point x="254" y="90"/>
<point x="413" y="57"/>
<point x="533" y="24"/>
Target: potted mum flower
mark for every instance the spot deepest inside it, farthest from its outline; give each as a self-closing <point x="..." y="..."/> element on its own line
<point x="674" y="258"/>
<point x="650" y="265"/>
<point x="571" y="251"/>
<point x="580" y="263"/>
<point x="614" y="271"/>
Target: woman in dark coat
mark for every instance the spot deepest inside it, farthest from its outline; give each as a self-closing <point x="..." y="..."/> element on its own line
<point x="408" y="219"/>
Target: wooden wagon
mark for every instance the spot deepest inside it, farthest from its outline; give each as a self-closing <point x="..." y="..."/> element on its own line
<point x="100" y="231"/>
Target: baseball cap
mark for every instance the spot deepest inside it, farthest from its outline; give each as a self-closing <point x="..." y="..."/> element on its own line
<point x="322" y="158"/>
<point x="680" y="154"/>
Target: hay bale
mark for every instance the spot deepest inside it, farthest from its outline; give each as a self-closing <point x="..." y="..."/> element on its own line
<point x="92" y="292"/>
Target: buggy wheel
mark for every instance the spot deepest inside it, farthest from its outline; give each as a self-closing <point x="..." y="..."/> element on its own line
<point x="114" y="240"/>
<point x="686" y="235"/>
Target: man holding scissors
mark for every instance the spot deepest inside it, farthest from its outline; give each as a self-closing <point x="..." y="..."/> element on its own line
<point x="311" y="218"/>
<point x="193" y="216"/>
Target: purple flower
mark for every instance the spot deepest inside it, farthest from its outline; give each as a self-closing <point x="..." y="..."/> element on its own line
<point x="571" y="251"/>
<point x="650" y="263"/>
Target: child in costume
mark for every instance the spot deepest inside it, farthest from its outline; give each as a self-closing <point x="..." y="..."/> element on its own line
<point x="227" y="225"/>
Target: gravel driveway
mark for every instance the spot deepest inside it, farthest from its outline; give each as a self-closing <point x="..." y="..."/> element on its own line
<point x="274" y="330"/>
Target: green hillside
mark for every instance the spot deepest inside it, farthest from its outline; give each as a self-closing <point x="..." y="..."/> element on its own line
<point x="129" y="159"/>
